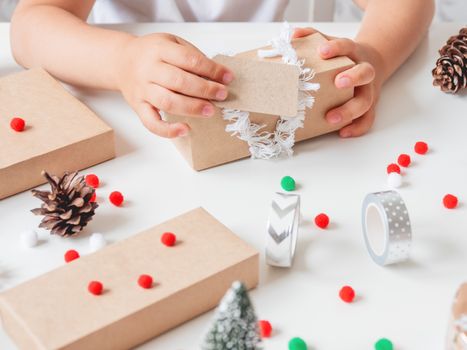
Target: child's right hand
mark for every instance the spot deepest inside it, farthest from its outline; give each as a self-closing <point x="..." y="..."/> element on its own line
<point x="164" y="72"/>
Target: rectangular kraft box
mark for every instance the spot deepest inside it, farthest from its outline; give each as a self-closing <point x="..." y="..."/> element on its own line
<point x="55" y="310"/>
<point x="61" y="134"/>
<point x="209" y="145"/>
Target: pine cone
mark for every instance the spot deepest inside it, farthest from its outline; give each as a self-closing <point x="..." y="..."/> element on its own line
<point x="450" y="72"/>
<point x="67" y="208"/>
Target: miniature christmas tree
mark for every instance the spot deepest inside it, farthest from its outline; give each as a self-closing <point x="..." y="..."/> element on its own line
<point x="235" y="325"/>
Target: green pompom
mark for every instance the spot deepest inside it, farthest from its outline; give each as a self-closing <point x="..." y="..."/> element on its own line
<point x="384" y="344"/>
<point x="288" y="183"/>
<point x="297" y="344"/>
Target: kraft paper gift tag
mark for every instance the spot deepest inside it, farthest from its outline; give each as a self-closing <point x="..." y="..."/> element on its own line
<point x="261" y="86"/>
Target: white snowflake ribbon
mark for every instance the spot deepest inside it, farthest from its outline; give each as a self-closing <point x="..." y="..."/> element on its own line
<point x="267" y="145"/>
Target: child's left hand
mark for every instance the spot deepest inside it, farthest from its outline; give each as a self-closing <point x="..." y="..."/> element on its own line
<point x="365" y="77"/>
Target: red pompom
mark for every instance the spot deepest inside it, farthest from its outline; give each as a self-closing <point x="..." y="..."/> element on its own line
<point x="145" y="281"/>
<point x="404" y="160"/>
<point x="450" y="201"/>
<point x="116" y="198"/>
<point x="71" y="255"/>
<point x="17" y="124"/>
<point x="322" y="220"/>
<point x="92" y="180"/>
<point x="95" y="287"/>
<point x="93" y="197"/>
<point x="421" y="147"/>
<point x="265" y="328"/>
<point x="347" y="294"/>
<point x="393" y="168"/>
<point x="168" y="239"/>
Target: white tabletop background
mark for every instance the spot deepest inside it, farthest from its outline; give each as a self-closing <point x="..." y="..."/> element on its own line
<point x="408" y="303"/>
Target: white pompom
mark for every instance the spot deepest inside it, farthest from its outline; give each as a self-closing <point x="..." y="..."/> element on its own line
<point x="97" y="241"/>
<point x="29" y="239"/>
<point x="394" y="180"/>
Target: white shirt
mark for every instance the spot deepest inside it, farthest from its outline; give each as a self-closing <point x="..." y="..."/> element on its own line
<point x="446" y="11"/>
<point x="452" y="11"/>
<point x="115" y="11"/>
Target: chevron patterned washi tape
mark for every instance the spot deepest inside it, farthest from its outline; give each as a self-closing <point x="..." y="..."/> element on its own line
<point x="282" y="229"/>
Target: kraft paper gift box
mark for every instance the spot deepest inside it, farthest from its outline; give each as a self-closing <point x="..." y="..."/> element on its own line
<point x="55" y="310"/>
<point x="457" y="332"/>
<point x="209" y="145"/>
<point x="61" y="134"/>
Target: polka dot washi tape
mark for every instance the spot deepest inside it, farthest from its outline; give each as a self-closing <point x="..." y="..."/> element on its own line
<point x="386" y="227"/>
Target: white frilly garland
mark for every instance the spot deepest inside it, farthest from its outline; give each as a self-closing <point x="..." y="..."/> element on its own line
<point x="458" y="334"/>
<point x="267" y="145"/>
<point x="462" y="323"/>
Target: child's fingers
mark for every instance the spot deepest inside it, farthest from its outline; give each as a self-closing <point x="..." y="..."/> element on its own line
<point x="171" y="102"/>
<point x="192" y="60"/>
<point x="352" y="109"/>
<point x="359" y="126"/>
<point x="151" y="119"/>
<point x="360" y="74"/>
<point x="301" y="32"/>
<point x="178" y="80"/>
<point x="182" y="41"/>
<point x="225" y="80"/>
<point x="337" y="47"/>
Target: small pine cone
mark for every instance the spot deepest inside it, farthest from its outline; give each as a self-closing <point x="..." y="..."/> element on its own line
<point x="67" y="208"/>
<point x="450" y="72"/>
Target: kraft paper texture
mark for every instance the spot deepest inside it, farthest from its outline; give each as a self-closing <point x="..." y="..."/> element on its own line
<point x="55" y="310"/>
<point x="209" y="145"/>
<point x="261" y="86"/>
<point x="61" y="134"/>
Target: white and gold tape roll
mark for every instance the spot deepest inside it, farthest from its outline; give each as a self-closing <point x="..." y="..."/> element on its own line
<point x="386" y="227"/>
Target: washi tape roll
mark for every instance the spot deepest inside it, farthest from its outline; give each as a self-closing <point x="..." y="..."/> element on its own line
<point x="282" y="229"/>
<point x="386" y="227"/>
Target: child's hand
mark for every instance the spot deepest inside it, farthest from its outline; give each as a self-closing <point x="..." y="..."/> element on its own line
<point x="364" y="76"/>
<point x="164" y="72"/>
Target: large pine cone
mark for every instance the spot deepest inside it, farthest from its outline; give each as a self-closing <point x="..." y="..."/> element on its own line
<point x="67" y="208"/>
<point x="450" y="72"/>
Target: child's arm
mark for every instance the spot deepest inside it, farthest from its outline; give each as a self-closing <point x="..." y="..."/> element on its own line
<point x="389" y="33"/>
<point x="157" y="71"/>
<point x="394" y="29"/>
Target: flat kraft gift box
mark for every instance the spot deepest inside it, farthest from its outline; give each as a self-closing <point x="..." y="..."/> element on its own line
<point x="61" y="133"/>
<point x="209" y="145"/>
<point x="457" y="332"/>
<point x="56" y="311"/>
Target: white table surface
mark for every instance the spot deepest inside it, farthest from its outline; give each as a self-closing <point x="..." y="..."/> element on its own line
<point x="408" y="304"/>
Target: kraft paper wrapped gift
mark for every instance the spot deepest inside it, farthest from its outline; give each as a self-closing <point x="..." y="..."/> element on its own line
<point x="61" y="134"/>
<point x="209" y="145"/>
<point x="457" y="332"/>
<point x="55" y="310"/>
